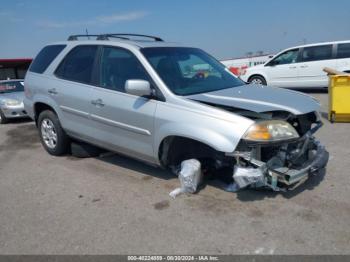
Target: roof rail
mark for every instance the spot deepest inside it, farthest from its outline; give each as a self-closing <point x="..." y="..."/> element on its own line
<point x="156" y="38"/>
<point x="106" y="37"/>
<point x="75" y="37"/>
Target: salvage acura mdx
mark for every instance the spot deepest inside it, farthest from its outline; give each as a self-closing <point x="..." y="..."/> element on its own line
<point x="164" y="103"/>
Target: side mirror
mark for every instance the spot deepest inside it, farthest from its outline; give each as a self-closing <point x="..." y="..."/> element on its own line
<point x="138" y="87"/>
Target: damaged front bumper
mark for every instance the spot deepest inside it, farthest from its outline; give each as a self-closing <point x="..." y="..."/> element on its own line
<point x="280" y="167"/>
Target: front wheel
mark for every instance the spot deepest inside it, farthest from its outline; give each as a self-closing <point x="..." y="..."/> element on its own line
<point x="52" y="136"/>
<point x="258" y="80"/>
<point x="3" y="119"/>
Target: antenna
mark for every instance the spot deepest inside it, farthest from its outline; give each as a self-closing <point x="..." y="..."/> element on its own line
<point x="87" y="33"/>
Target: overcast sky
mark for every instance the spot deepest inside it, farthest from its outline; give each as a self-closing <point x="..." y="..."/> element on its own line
<point x="223" y="28"/>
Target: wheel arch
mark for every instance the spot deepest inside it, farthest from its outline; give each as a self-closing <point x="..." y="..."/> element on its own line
<point x="40" y="107"/>
<point x="174" y="148"/>
<point x="223" y="140"/>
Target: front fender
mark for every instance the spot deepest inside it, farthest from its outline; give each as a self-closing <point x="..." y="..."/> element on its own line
<point x="213" y="130"/>
<point x="254" y="72"/>
<point x="200" y="134"/>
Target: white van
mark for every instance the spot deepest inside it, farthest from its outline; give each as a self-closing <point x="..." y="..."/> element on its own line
<point x="301" y="66"/>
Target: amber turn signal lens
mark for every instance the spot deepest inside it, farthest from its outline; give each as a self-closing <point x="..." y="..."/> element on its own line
<point x="258" y="133"/>
<point x="271" y="130"/>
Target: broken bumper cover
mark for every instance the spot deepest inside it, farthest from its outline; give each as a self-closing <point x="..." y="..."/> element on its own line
<point x="283" y="175"/>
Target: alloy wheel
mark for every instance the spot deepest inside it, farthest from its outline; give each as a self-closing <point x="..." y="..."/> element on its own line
<point x="48" y="133"/>
<point x="257" y="81"/>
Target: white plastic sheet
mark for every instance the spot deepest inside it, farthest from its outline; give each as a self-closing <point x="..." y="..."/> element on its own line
<point x="245" y="176"/>
<point x="190" y="177"/>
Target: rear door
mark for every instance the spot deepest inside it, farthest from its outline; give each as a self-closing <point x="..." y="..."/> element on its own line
<point x="72" y="89"/>
<point x="122" y="122"/>
<point x="282" y="71"/>
<point x="313" y="59"/>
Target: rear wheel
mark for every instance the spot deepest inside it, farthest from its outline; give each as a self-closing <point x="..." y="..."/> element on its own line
<point x="52" y="136"/>
<point x="258" y="80"/>
<point x="3" y="119"/>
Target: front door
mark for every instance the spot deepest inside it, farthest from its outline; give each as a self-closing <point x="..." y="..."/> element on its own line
<point x="282" y="71"/>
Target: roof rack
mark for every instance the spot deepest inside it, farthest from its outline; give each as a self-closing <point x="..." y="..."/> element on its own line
<point x="107" y="36"/>
<point x="75" y="37"/>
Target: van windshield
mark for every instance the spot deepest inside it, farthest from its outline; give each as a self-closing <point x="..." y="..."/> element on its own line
<point x="188" y="71"/>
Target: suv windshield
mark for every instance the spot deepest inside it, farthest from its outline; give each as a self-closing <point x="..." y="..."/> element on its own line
<point x="10" y="87"/>
<point x="188" y="71"/>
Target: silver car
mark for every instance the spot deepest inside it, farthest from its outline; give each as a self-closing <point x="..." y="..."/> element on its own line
<point x="11" y="100"/>
<point x="163" y="103"/>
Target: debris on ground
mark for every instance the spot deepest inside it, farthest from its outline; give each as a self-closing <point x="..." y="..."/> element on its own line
<point x="190" y="176"/>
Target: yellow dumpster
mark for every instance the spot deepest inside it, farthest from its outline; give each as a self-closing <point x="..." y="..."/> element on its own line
<point x="339" y="98"/>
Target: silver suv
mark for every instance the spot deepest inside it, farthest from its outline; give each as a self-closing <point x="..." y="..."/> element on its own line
<point x="164" y="103"/>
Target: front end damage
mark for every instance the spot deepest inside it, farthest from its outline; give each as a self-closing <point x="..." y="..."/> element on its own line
<point x="280" y="166"/>
<point x="279" y="150"/>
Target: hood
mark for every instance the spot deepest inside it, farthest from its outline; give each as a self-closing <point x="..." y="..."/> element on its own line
<point x="259" y="99"/>
<point x="19" y="96"/>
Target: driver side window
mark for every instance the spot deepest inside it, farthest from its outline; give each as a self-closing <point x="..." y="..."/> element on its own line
<point x="288" y="57"/>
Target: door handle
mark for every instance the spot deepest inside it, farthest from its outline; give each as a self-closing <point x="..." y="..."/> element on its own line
<point x="52" y="91"/>
<point x="292" y="67"/>
<point x="98" y="102"/>
<point x="303" y="66"/>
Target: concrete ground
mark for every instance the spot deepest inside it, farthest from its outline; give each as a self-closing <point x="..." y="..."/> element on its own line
<point x="115" y="205"/>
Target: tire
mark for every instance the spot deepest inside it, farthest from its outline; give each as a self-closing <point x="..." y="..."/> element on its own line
<point x="3" y="119"/>
<point x="52" y="136"/>
<point x="259" y="80"/>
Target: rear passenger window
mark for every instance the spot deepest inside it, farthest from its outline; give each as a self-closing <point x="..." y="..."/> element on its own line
<point x="117" y="66"/>
<point x="45" y="57"/>
<point x="343" y="51"/>
<point x="316" y="53"/>
<point x="78" y="64"/>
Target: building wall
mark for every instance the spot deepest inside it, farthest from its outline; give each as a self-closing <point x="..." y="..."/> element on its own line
<point x="238" y="65"/>
<point x="14" y="68"/>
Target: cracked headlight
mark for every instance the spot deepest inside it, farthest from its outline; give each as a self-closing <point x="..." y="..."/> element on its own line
<point x="269" y="131"/>
<point x="11" y="102"/>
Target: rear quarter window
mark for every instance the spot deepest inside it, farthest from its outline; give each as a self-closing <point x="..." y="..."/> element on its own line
<point x="45" y="57"/>
<point x="343" y="51"/>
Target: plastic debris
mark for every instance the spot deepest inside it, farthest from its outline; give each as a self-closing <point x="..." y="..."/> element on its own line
<point x="232" y="187"/>
<point x="245" y="176"/>
<point x="190" y="177"/>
